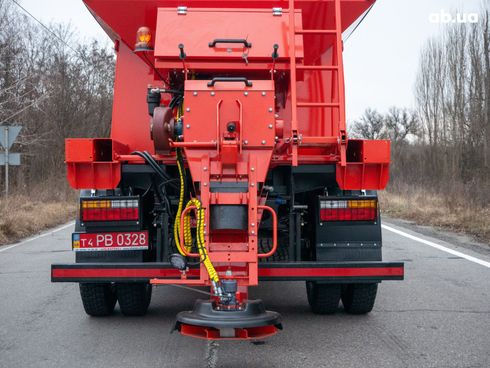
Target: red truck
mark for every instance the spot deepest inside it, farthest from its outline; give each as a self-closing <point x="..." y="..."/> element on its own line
<point x="228" y="164"/>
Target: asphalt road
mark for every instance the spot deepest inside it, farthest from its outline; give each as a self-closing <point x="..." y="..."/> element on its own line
<point x="438" y="317"/>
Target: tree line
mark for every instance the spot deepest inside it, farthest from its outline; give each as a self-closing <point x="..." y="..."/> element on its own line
<point x="443" y="144"/>
<point x="55" y="87"/>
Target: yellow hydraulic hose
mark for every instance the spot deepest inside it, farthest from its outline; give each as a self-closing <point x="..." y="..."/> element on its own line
<point x="201" y="242"/>
<point x="187" y="241"/>
<point x="187" y="245"/>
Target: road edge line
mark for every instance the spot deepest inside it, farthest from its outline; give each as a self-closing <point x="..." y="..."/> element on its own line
<point x="479" y="261"/>
<point x="28" y="240"/>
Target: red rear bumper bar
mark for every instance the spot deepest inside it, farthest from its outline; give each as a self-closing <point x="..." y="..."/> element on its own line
<point x="333" y="272"/>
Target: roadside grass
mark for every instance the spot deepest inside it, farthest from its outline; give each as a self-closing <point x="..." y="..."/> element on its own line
<point x="22" y="216"/>
<point x="445" y="211"/>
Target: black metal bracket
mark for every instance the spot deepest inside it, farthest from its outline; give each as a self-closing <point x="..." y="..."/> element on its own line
<point x="230" y="79"/>
<point x="230" y="40"/>
<point x="182" y="53"/>
<point x="275" y="54"/>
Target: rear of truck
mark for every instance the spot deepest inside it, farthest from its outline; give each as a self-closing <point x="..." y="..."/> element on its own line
<point x="228" y="164"/>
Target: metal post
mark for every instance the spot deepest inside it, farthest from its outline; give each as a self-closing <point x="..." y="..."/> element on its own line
<point x="6" y="139"/>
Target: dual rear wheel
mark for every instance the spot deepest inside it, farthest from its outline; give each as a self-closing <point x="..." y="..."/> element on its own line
<point x="100" y="299"/>
<point x="134" y="298"/>
<point x="356" y="298"/>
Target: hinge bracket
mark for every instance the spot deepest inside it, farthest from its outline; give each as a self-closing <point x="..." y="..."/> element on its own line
<point x="277" y="12"/>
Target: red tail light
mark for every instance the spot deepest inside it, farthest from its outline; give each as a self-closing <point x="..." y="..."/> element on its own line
<point x="109" y="210"/>
<point x="348" y="210"/>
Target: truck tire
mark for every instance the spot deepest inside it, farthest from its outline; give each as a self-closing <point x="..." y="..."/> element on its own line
<point x="323" y="298"/>
<point x="359" y="298"/>
<point x="98" y="299"/>
<point x="134" y="298"/>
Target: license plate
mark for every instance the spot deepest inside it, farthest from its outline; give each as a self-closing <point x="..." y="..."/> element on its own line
<point x="110" y="241"/>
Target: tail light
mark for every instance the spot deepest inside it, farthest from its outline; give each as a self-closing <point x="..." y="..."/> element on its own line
<point x="348" y="210"/>
<point x="125" y="209"/>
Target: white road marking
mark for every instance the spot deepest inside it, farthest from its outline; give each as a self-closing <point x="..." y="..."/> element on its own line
<point x="438" y="246"/>
<point x="51" y="232"/>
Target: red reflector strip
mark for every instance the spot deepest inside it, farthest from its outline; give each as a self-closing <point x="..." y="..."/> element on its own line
<point x="348" y="214"/>
<point x="331" y="272"/>
<point x="110" y="214"/>
<point x="120" y="273"/>
<point x="270" y="273"/>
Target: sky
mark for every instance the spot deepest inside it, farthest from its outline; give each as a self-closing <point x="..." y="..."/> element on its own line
<point x="380" y="57"/>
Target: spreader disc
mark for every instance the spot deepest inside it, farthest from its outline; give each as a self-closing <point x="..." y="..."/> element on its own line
<point x="204" y="321"/>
